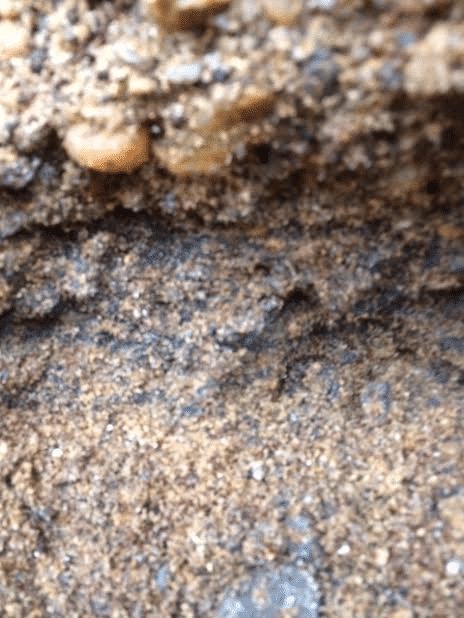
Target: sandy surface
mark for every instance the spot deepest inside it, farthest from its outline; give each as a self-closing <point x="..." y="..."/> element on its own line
<point x="232" y="380"/>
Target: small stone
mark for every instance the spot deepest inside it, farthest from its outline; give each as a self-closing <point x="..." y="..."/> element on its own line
<point x="323" y="5"/>
<point x="10" y="9"/>
<point x="206" y="159"/>
<point x="221" y="74"/>
<point x="219" y="71"/>
<point x="453" y="567"/>
<point x="320" y="74"/>
<point x="343" y="550"/>
<point x="283" y="12"/>
<point x="252" y="106"/>
<point x="430" y="69"/>
<point x="128" y="55"/>
<point x="139" y="85"/>
<point x="162" y="577"/>
<point x="452" y="509"/>
<point x="183" y="15"/>
<point x="14" y="39"/>
<point x="184" y="73"/>
<point x="3" y="448"/>
<point x="381" y="556"/>
<point x="111" y="152"/>
<point x="257" y="471"/>
<point x="176" y="114"/>
<point x="37" y="60"/>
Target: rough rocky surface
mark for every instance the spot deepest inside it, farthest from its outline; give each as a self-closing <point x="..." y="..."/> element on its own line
<point x="232" y="381"/>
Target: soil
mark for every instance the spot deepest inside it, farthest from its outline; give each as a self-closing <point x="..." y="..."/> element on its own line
<point x="232" y="377"/>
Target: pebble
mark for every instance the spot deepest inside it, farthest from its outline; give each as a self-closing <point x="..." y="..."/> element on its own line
<point x="10" y="9"/>
<point x="184" y="73"/>
<point x="181" y="15"/>
<point x="140" y="85"/>
<point x="113" y="152"/>
<point x="320" y="74"/>
<point x="322" y="5"/>
<point x="252" y="106"/>
<point x="3" y="448"/>
<point x="381" y="556"/>
<point x="432" y="67"/>
<point x="283" y="12"/>
<point x="14" y="39"/>
<point x="343" y="550"/>
<point x="453" y="567"/>
<point x="219" y="72"/>
<point x="257" y="471"/>
<point x="452" y="510"/>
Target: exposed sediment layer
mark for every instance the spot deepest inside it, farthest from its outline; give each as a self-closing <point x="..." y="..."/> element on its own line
<point x="231" y="308"/>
